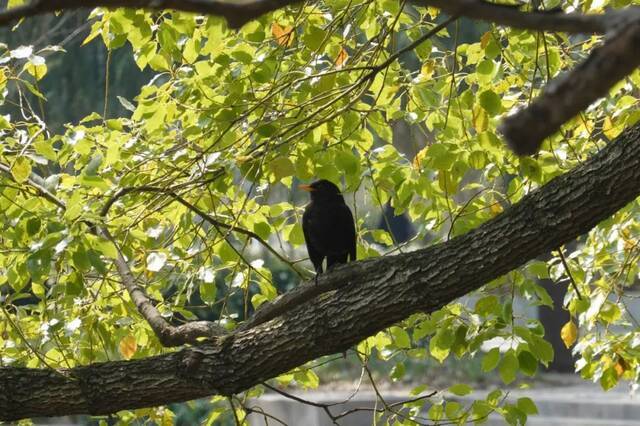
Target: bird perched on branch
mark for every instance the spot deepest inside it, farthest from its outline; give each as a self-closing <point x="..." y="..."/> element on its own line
<point x="328" y="226"/>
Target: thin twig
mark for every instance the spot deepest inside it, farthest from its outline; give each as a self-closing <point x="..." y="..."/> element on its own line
<point x="568" y="271"/>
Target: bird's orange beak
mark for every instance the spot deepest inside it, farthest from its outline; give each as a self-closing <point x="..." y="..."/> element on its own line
<point x="307" y="188"/>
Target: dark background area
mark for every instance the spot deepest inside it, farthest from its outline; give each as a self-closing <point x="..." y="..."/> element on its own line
<point x="76" y="79"/>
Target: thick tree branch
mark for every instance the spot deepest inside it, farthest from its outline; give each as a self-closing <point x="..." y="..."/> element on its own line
<point x="236" y="12"/>
<point x="239" y="12"/>
<point x="506" y="15"/>
<point x="525" y="130"/>
<point x="168" y="334"/>
<point x="191" y="332"/>
<point x="373" y="295"/>
<point x="567" y="95"/>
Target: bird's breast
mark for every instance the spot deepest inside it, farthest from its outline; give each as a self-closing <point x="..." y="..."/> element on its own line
<point x="329" y="227"/>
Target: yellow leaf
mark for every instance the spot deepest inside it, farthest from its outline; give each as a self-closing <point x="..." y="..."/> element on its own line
<point x="621" y="366"/>
<point x="609" y="129"/>
<point x="342" y="58"/>
<point x="496" y="208"/>
<point x="480" y="119"/>
<point x="15" y="3"/>
<point x="417" y="161"/>
<point x="128" y="346"/>
<point x="630" y="245"/>
<point x="283" y="35"/>
<point x="569" y="333"/>
<point x="241" y="159"/>
<point x="96" y="28"/>
<point x="485" y="39"/>
<point x="427" y="69"/>
<point x="626" y="234"/>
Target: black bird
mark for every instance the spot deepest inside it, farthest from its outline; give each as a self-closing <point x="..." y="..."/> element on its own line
<point x="328" y="226"/>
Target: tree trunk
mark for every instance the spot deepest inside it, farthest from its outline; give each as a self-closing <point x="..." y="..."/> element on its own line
<point x="373" y="295"/>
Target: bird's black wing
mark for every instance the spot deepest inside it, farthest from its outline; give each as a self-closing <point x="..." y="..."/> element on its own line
<point x="310" y="240"/>
<point x="345" y="231"/>
<point x="352" y="235"/>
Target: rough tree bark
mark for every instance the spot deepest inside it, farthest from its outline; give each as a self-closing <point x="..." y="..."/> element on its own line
<point x="372" y="295"/>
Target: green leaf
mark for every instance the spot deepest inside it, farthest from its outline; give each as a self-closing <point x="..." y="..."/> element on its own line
<point x="400" y="337"/>
<point x="268" y="130"/>
<point x="440" y="156"/>
<point x="33" y="225"/>
<point x="36" y="67"/>
<point x="31" y="88"/>
<point x="347" y="162"/>
<point x="490" y="360"/>
<point x="531" y="169"/>
<point x="267" y="289"/>
<point x="38" y="289"/>
<point x="610" y="312"/>
<point x="507" y="312"/>
<point x="208" y="292"/>
<point x="96" y="262"/>
<point x="487" y="305"/>
<point x="381" y="236"/>
<point x="452" y="410"/>
<point x="440" y="344"/>
<point x="425" y="328"/>
<point x="308" y="379"/>
<point x="263" y="229"/>
<point x="94" y="182"/>
<point x="81" y="259"/>
<point x="282" y="167"/>
<point x="294" y="235"/>
<point x="460" y="389"/>
<point x="397" y="372"/>
<point x="253" y="31"/>
<point x="74" y="284"/>
<point x="491" y="102"/>
<point x="17" y="277"/>
<point x="313" y="37"/>
<point x="4" y="123"/>
<point x="485" y="67"/>
<point x="508" y="367"/>
<point x="481" y="409"/>
<point x="477" y="160"/>
<point x="527" y="406"/>
<point x="528" y="363"/>
<point x="543" y="295"/>
<point x="107" y="248"/>
<point x="21" y="169"/>
<point x="436" y="412"/>
<point x="609" y="378"/>
<point x="541" y="349"/>
<point x="226" y="252"/>
<point x="45" y="148"/>
<point x="514" y="416"/>
<point x="539" y="269"/>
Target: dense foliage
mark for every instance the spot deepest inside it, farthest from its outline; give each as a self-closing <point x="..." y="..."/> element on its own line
<point x="363" y="93"/>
